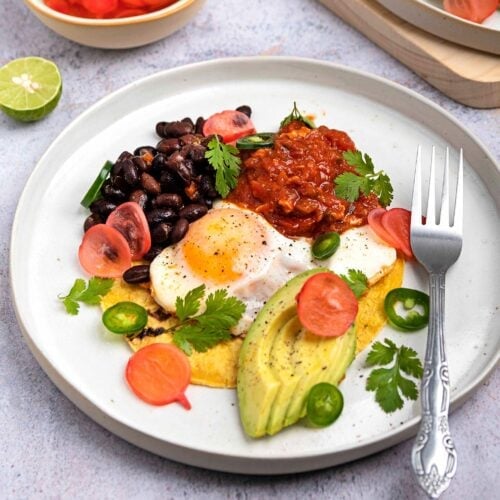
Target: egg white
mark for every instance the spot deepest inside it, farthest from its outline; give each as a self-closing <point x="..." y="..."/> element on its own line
<point x="262" y="260"/>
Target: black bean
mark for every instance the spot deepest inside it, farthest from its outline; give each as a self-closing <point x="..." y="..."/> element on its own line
<point x="160" y="126"/>
<point x="150" y="184"/>
<point x="179" y="231"/>
<point x="140" y="164"/>
<point x="92" y="220"/>
<point x="171" y="200"/>
<point x="112" y="193"/>
<point x="193" y="211"/>
<point x="247" y="110"/>
<point x="118" y="182"/>
<point x="190" y="139"/>
<point x="168" y="146"/>
<point x="145" y="150"/>
<point x="180" y="165"/>
<point x="188" y="120"/>
<point x="198" y="128"/>
<point x="207" y="186"/>
<point x="154" y="251"/>
<point x="124" y="156"/>
<point x="140" y="197"/>
<point x="102" y="208"/>
<point x="130" y="173"/>
<point x="208" y="138"/>
<point x="161" y="232"/>
<point x="137" y="274"/>
<point x="208" y="203"/>
<point x="158" y="215"/>
<point x="177" y="129"/>
<point x="170" y="182"/>
<point x="195" y="152"/>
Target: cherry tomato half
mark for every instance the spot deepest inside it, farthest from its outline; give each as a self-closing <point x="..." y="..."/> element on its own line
<point x="396" y="222"/>
<point x="104" y="252"/>
<point x="326" y="306"/>
<point x="473" y="10"/>
<point x="159" y="374"/>
<point x="324" y="404"/>
<point x="129" y="219"/>
<point x="229" y="124"/>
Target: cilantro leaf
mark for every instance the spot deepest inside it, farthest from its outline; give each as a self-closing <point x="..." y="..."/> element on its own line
<point x="357" y="281"/>
<point x="348" y="186"/>
<point x="389" y="385"/>
<point x="382" y="187"/>
<point x="226" y="162"/>
<point x="190" y="304"/>
<point x="297" y="116"/>
<point x="210" y="327"/>
<point x="364" y="179"/>
<point x="97" y="288"/>
<point x="381" y="354"/>
<point x="90" y="293"/>
<point x="189" y="337"/>
<point x="361" y="166"/>
<point x="409" y="362"/>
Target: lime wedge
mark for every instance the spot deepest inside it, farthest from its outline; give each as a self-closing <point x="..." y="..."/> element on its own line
<point x="30" y="88"/>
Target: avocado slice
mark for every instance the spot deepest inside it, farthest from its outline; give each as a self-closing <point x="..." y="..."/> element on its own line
<point x="280" y="361"/>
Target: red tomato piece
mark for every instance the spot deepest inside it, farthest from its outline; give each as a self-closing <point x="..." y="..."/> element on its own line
<point x="159" y="374"/>
<point x="62" y="6"/>
<point x="104" y="252"/>
<point x="129" y="219"/>
<point x="375" y="222"/>
<point x="326" y="306"/>
<point x="396" y="222"/>
<point x="473" y="10"/>
<point x="229" y="124"/>
<point x="100" y="7"/>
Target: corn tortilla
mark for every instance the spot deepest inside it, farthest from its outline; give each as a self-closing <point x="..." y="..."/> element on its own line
<point x="218" y="366"/>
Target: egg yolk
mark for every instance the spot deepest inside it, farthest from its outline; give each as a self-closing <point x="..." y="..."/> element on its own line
<point x="221" y="246"/>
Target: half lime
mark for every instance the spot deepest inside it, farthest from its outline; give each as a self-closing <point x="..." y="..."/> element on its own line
<point x="30" y="88"/>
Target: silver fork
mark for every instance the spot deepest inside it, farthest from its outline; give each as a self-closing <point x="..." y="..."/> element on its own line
<point x="437" y="243"/>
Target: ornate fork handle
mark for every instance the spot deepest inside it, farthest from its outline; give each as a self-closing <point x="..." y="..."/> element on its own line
<point x="434" y="457"/>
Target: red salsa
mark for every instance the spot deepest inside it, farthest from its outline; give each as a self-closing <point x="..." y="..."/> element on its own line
<point x="107" y="9"/>
<point x="292" y="184"/>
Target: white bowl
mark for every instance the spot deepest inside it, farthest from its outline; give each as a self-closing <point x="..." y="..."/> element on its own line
<point x="119" y="33"/>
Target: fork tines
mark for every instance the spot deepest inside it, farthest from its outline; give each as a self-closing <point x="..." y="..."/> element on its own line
<point x="444" y="216"/>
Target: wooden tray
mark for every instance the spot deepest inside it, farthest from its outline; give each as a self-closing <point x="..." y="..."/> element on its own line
<point x="468" y="76"/>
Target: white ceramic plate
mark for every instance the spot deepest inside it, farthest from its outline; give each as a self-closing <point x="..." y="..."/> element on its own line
<point x="430" y="16"/>
<point x="385" y="120"/>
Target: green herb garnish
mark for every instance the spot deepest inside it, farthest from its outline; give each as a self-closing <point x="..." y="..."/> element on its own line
<point x="350" y="185"/>
<point x="357" y="281"/>
<point x="225" y="160"/>
<point x="88" y="294"/>
<point x="388" y="383"/>
<point x="212" y="326"/>
<point x="297" y="116"/>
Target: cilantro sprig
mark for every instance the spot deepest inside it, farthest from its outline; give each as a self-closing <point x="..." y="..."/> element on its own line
<point x="366" y="180"/>
<point x="357" y="281"/>
<point x="90" y="293"/>
<point x="389" y="384"/>
<point x="296" y="115"/>
<point x="226" y="162"/>
<point x="202" y="331"/>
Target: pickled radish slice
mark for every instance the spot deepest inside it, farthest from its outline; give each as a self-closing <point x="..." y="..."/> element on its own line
<point x="159" y="374"/>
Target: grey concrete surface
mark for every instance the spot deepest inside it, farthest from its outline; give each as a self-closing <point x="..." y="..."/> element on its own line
<point x="48" y="448"/>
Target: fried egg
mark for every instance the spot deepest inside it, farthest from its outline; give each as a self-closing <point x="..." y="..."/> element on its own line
<point x="238" y="250"/>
